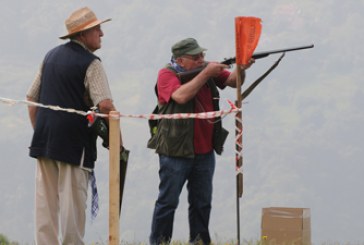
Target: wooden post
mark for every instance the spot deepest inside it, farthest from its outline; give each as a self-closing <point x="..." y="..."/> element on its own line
<point x="114" y="177"/>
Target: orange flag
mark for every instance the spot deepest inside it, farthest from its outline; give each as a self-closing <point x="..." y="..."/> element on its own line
<point x="247" y="34"/>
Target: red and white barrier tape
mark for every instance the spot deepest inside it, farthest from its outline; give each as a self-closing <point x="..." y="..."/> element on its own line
<point x="91" y="115"/>
<point x="239" y="153"/>
<point x="239" y="170"/>
<point x="201" y="115"/>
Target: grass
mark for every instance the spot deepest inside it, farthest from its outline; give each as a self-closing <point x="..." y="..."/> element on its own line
<point x="234" y="242"/>
<point x="231" y="242"/>
<point x="5" y="241"/>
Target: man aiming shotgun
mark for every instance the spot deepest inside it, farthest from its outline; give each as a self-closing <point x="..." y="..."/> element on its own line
<point x="188" y="75"/>
<point x="186" y="147"/>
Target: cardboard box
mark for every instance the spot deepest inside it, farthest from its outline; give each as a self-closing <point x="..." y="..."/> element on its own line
<point x="286" y="226"/>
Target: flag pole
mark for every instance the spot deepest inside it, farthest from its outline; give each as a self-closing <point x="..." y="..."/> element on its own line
<point x="114" y="177"/>
<point x="247" y="32"/>
<point x="238" y="149"/>
<point x="238" y="126"/>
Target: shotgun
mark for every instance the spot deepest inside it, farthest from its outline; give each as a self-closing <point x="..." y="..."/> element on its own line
<point x="188" y="75"/>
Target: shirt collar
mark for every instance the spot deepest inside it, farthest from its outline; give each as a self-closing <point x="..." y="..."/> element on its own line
<point x="81" y="44"/>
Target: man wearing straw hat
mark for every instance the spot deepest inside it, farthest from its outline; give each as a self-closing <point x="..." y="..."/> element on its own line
<point x="71" y="76"/>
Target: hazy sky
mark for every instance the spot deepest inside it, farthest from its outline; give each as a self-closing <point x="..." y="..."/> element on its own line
<point x="303" y="137"/>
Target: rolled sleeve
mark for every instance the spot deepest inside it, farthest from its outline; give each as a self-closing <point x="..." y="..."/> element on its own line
<point x="96" y="83"/>
<point x="34" y="89"/>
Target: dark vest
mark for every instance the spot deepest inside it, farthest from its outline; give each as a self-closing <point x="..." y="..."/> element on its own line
<point x="175" y="137"/>
<point x="64" y="136"/>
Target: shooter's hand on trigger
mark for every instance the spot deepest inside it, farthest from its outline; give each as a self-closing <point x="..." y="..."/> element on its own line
<point x="213" y="69"/>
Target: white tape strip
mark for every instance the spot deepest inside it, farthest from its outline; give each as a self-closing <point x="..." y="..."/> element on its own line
<point x="202" y="115"/>
<point x="239" y="170"/>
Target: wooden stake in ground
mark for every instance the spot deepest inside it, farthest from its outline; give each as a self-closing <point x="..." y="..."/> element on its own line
<point x="114" y="177"/>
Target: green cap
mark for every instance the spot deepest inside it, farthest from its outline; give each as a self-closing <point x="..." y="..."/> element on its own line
<point x="186" y="46"/>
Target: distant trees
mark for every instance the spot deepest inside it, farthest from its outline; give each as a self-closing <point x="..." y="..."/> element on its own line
<point x="5" y="241"/>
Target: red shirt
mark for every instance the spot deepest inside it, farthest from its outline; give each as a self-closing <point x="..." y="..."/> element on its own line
<point x="203" y="128"/>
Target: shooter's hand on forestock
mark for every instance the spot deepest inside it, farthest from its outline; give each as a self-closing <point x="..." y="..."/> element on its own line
<point x="231" y="81"/>
<point x="247" y="66"/>
<point x="243" y="68"/>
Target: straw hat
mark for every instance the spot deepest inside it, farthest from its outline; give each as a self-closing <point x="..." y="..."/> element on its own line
<point x="81" y="20"/>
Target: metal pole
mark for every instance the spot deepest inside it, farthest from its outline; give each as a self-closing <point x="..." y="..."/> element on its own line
<point x="114" y="177"/>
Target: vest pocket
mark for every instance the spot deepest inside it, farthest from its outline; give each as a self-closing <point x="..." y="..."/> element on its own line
<point x="175" y="138"/>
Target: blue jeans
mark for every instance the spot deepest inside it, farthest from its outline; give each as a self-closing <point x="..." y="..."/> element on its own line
<point x="173" y="173"/>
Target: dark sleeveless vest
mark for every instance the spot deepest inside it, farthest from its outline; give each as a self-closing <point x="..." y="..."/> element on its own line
<point x="175" y="137"/>
<point x="64" y="136"/>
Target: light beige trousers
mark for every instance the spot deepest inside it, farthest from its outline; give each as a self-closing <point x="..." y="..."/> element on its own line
<point x="60" y="203"/>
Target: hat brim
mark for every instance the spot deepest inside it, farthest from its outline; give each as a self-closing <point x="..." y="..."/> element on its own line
<point x="89" y="26"/>
<point x="196" y="51"/>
